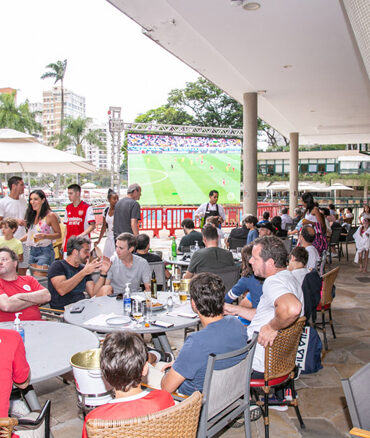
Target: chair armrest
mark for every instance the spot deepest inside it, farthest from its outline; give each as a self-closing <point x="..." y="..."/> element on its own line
<point x="50" y="310"/>
<point x="45" y="412"/>
<point x="359" y="432"/>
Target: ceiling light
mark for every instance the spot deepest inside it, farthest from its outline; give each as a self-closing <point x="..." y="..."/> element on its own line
<point x="236" y="2"/>
<point x="261" y="92"/>
<point x="287" y="66"/>
<point x="251" y="6"/>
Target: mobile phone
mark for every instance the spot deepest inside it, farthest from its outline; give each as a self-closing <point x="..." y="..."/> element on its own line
<point x="77" y="309"/>
<point x="162" y="324"/>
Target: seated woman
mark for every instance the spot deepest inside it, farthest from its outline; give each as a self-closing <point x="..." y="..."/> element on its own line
<point x="276" y="223"/>
<point x="247" y="284"/>
<point x="43" y="228"/>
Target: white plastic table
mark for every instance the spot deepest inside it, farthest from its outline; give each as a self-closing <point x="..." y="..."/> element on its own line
<point x="107" y="305"/>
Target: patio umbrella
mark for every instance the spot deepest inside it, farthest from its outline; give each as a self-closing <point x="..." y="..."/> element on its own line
<point x="20" y="152"/>
<point x="338" y="186"/>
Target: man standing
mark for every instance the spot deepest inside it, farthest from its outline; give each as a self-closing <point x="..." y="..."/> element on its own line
<point x="127" y="212"/>
<point x="125" y="268"/>
<point x="281" y="302"/>
<point x="211" y="208"/>
<point x="306" y="239"/>
<point x="68" y="279"/>
<point x="14" y="205"/>
<point x="191" y="236"/>
<point x="79" y="216"/>
<point x="18" y="293"/>
<point x="220" y="334"/>
<point x="211" y="257"/>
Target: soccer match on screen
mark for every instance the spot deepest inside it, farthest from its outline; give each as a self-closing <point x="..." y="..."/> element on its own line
<point x="180" y="170"/>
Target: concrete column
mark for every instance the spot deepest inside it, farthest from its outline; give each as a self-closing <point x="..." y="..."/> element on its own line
<point x="250" y="153"/>
<point x="366" y="191"/>
<point x="293" y="177"/>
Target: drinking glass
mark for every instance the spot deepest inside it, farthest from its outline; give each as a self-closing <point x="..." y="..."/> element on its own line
<point x="148" y="307"/>
<point x="137" y="311"/>
<point x="183" y="296"/>
<point x="176" y="285"/>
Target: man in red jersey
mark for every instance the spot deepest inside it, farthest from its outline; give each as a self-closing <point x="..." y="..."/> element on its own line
<point x="18" y="293"/>
<point x="124" y="362"/>
<point x="79" y="216"/>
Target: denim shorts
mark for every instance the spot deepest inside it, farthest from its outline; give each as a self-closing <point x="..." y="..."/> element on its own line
<point x="43" y="255"/>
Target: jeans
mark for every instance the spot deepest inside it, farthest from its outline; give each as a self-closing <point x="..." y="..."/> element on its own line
<point x="42" y="255"/>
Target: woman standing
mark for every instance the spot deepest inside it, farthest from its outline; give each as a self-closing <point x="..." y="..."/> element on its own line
<point x="314" y="217"/>
<point x="365" y="213"/>
<point x="108" y="216"/>
<point x="43" y="228"/>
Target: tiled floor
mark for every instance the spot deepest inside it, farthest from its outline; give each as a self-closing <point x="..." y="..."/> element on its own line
<point x="321" y="398"/>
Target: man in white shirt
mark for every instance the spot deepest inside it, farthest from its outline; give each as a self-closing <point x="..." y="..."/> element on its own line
<point x="306" y="238"/>
<point x="14" y="205"/>
<point x="211" y="208"/>
<point x="281" y="302"/>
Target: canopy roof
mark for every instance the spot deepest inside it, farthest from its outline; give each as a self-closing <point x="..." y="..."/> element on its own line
<point x="309" y="61"/>
<point x="21" y="152"/>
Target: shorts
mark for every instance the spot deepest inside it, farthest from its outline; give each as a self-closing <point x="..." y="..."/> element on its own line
<point x="42" y="255"/>
<point x="26" y="255"/>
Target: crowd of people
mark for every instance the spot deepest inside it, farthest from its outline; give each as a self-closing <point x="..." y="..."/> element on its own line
<point x="275" y="288"/>
<point x="144" y="143"/>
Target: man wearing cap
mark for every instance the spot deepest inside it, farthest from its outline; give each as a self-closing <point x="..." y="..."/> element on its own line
<point x="266" y="229"/>
<point x="127" y="212"/>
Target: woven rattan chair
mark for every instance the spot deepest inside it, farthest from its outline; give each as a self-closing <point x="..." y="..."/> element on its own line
<point x="180" y="421"/>
<point x="325" y="304"/>
<point x="226" y="392"/>
<point x="279" y="370"/>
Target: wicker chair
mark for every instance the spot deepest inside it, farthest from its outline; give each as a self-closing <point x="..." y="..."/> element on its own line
<point x="279" y="370"/>
<point x="325" y="303"/>
<point x="180" y="421"/>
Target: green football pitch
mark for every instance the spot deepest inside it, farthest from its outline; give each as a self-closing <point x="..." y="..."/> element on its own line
<point x="170" y="179"/>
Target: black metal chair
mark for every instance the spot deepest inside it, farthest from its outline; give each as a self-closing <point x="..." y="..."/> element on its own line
<point x="335" y="243"/>
<point x="236" y="243"/>
<point x="226" y="392"/>
<point x="230" y="275"/>
<point x="349" y="240"/>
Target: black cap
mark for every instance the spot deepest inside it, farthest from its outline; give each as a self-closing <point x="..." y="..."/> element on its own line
<point x="267" y="225"/>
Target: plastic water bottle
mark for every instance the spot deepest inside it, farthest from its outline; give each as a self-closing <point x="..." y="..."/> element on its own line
<point x="169" y="303"/>
<point x="127" y="300"/>
<point x="18" y="326"/>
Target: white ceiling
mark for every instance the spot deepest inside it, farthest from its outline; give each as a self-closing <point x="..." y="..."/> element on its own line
<point x="324" y="94"/>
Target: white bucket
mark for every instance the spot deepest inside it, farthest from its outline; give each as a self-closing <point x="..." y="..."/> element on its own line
<point x="91" y="388"/>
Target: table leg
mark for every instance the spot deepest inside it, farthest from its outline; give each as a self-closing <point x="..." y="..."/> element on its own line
<point x="31" y="398"/>
<point x="162" y="340"/>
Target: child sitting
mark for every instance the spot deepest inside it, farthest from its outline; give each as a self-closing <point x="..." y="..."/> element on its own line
<point x="9" y="226"/>
<point x="124" y="362"/>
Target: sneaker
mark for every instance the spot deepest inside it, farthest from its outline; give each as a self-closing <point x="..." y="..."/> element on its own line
<point x="18" y="408"/>
<point x="280" y="408"/>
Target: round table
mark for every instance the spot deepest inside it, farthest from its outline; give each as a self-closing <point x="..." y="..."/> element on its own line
<point x="94" y="307"/>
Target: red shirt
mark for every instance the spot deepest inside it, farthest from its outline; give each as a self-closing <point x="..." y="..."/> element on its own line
<point x="13" y="366"/>
<point x="77" y="219"/>
<point x="137" y="406"/>
<point x="23" y="284"/>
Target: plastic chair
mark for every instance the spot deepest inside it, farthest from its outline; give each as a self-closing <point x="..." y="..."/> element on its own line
<point x="357" y="392"/>
<point x="279" y="370"/>
<point x="325" y="303"/>
<point x="236" y="243"/>
<point x="7" y="425"/>
<point x="226" y="392"/>
<point x="40" y="273"/>
<point x="159" y="270"/>
<point x="180" y="421"/>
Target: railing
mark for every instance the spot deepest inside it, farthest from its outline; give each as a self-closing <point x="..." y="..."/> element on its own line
<point x="156" y="219"/>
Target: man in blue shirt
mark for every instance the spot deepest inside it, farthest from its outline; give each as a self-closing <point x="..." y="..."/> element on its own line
<point x="220" y="334"/>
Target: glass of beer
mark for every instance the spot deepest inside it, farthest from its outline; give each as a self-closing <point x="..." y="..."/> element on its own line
<point x="183" y="296"/>
<point x="176" y="285"/>
<point x="137" y="311"/>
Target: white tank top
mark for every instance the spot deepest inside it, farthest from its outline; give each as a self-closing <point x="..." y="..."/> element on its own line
<point x="310" y="217"/>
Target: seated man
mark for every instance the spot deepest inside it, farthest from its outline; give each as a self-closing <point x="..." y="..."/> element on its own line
<point x="124" y="362"/>
<point x="124" y="267"/>
<point x="285" y="219"/>
<point x="306" y="239"/>
<point x="191" y="236"/>
<point x="265" y="229"/>
<point x="211" y="257"/>
<point x="240" y="232"/>
<point x="68" y="279"/>
<point x="281" y="301"/>
<point x="142" y="250"/>
<point x="220" y="334"/>
<point x="265" y="218"/>
<point x="298" y="259"/>
<point x="18" y="293"/>
<point x="14" y="368"/>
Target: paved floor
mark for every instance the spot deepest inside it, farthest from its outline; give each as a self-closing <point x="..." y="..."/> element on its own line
<point x="321" y="398"/>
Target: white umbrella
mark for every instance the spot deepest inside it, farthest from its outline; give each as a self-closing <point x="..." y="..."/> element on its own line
<point x="338" y="186"/>
<point x="21" y="152"/>
<point x="88" y="185"/>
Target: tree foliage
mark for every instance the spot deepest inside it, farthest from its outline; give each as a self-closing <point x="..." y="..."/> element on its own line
<point x="18" y="117"/>
<point x="201" y="103"/>
<point x="76" y="133"/>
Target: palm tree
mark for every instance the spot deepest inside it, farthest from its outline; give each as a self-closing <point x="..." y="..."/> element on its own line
<point x="58" y="70"/>
<point x="18" y="117"/>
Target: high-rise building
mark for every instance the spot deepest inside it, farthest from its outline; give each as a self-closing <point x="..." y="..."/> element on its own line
<point x="36" y="108"/>
<point x="74" y="107"/>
